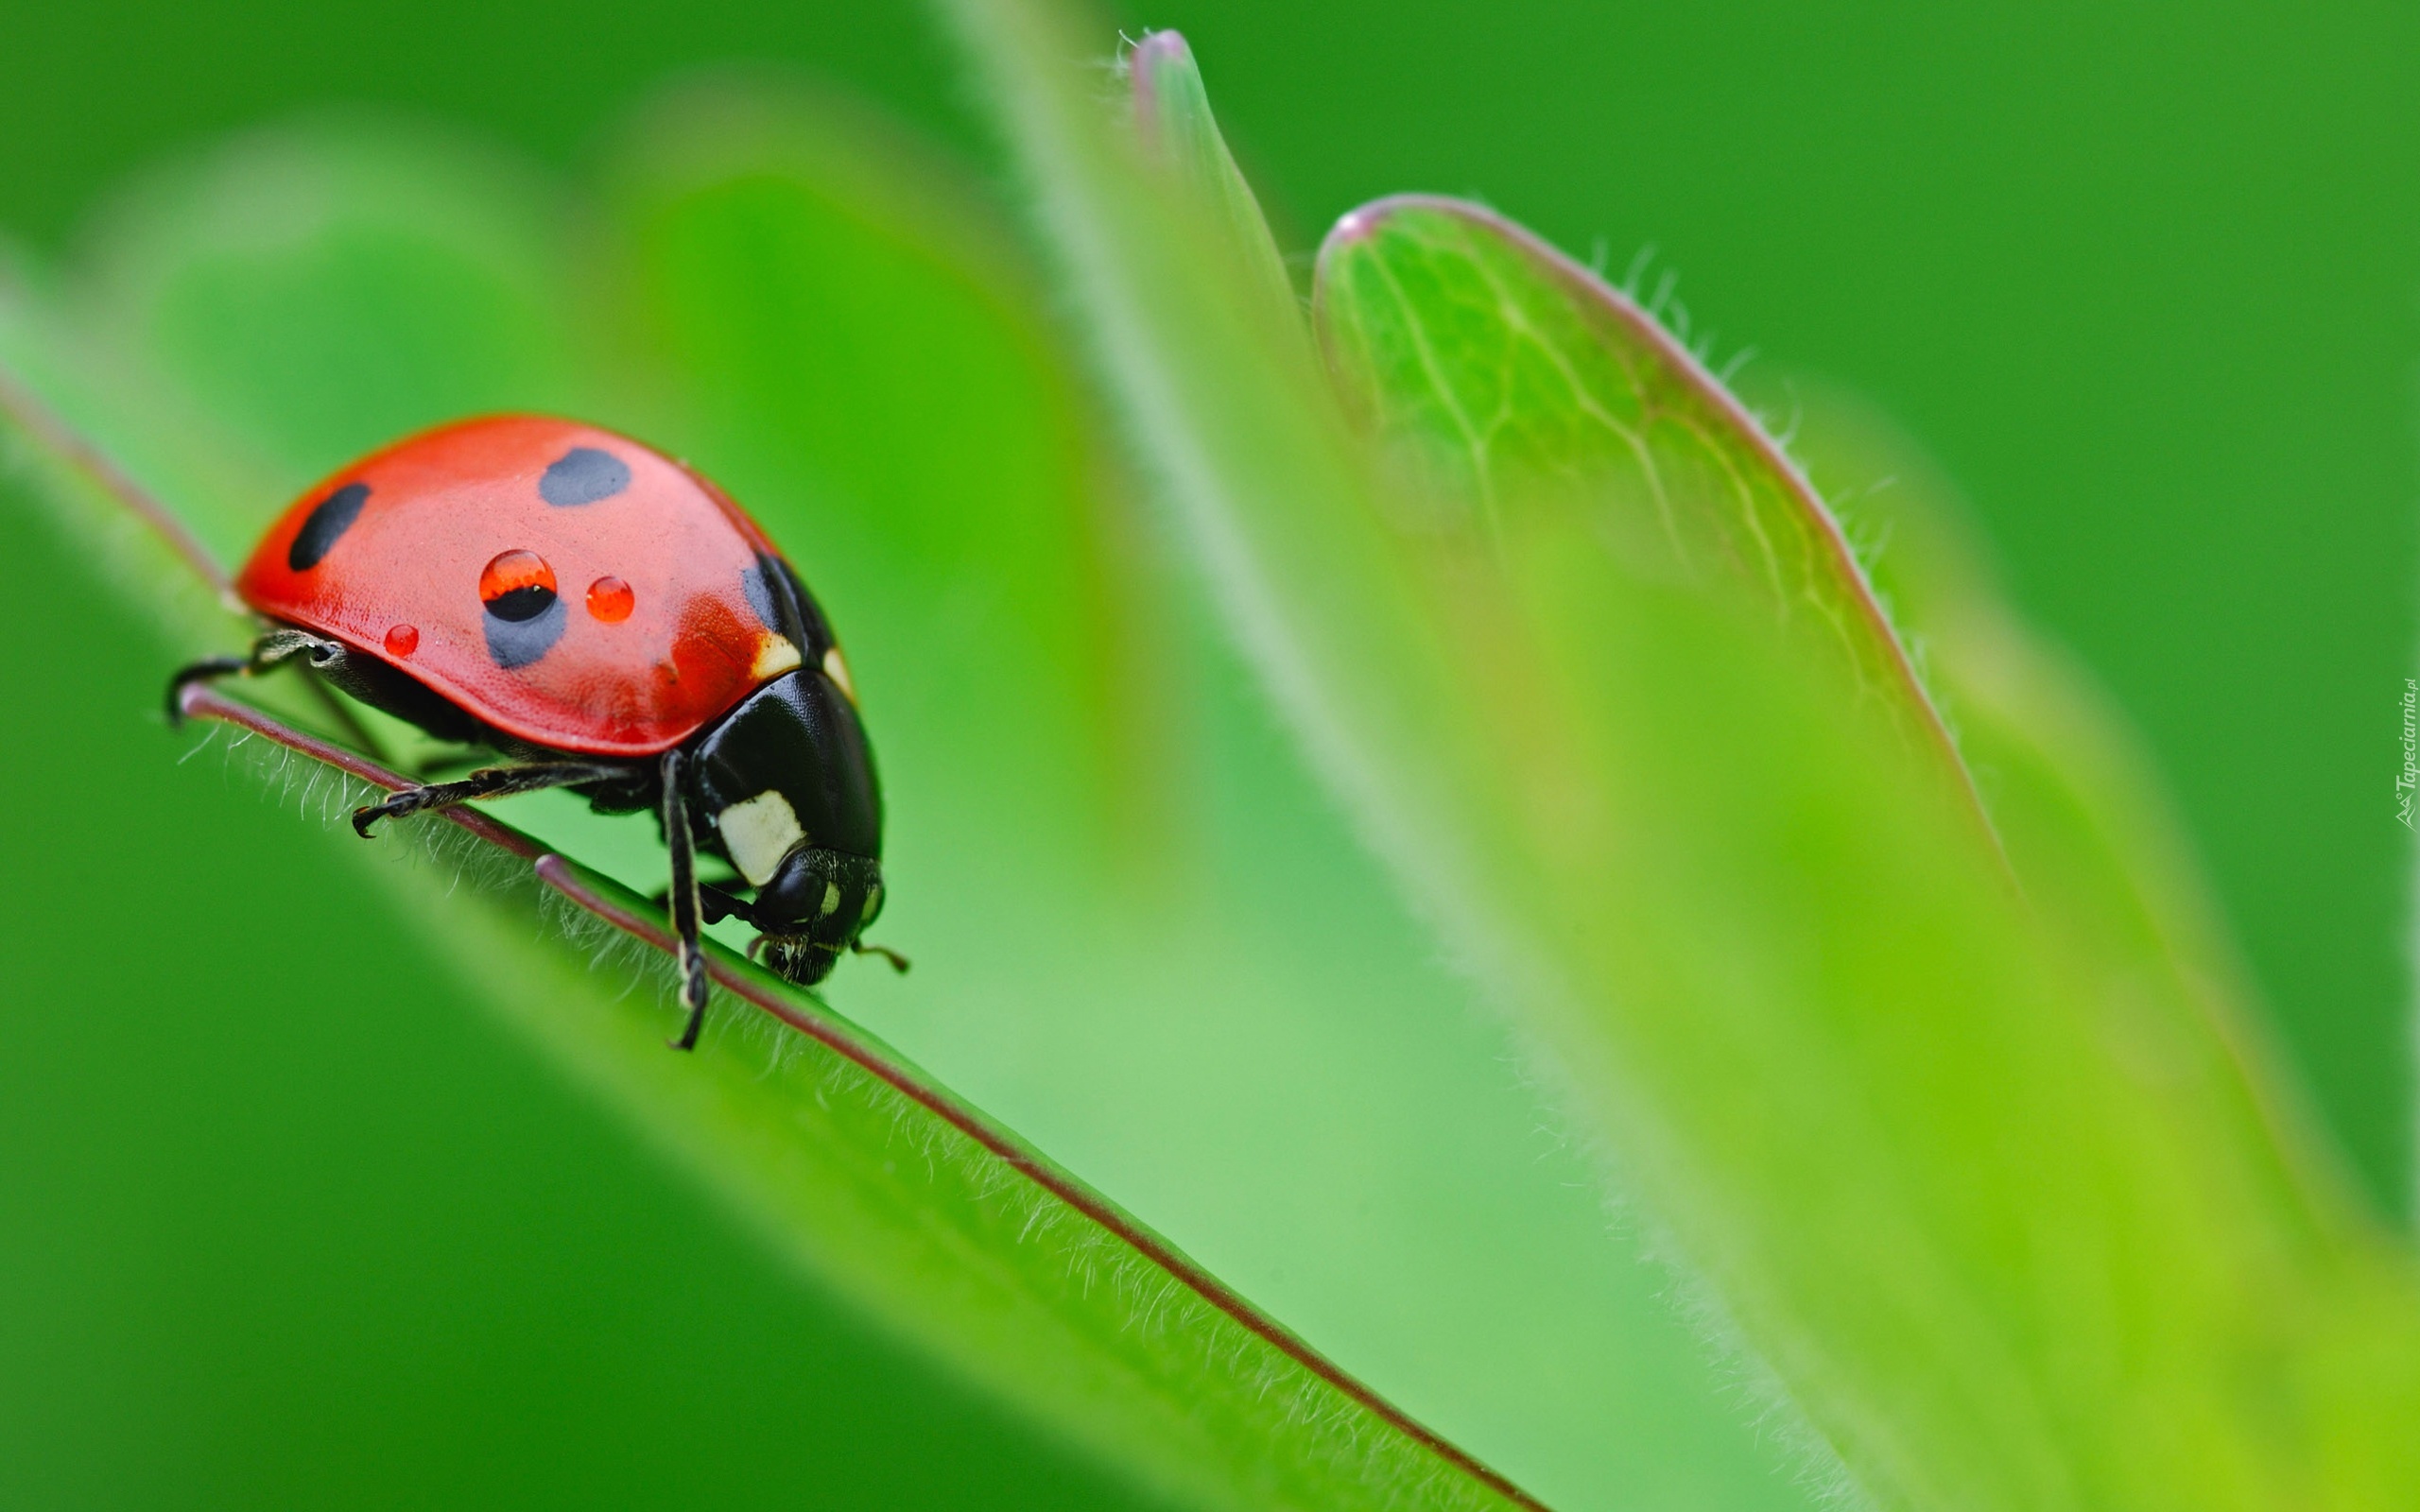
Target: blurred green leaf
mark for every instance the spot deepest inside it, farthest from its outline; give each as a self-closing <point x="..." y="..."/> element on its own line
<point x="2070" y="791"/>
<point x="2009" y="1232"/>
<point x="857" y="347"/>
<point x="301" y="297"/>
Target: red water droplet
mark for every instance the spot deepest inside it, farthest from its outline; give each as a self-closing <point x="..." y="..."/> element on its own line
<point x="515" y="570"/>
<point x="402" y="640"/>
<point x="610" y="599"/>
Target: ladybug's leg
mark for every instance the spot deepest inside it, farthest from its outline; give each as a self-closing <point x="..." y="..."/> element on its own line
<point x="684" y="900"/>
<point x="714" y="905"/>
<point x="496" y="781"/>
<point x="209" y="669"/>
<point x="269" y="651"/>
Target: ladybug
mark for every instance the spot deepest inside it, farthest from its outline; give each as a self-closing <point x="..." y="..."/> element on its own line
<point x="610" y="622"/>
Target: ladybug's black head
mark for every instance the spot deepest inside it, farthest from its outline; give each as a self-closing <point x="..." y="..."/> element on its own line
<point x="814" y="908"/>
<point x="786" y="789"/>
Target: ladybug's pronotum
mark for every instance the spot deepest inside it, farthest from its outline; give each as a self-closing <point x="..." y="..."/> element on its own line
<point x="611" y="622"/>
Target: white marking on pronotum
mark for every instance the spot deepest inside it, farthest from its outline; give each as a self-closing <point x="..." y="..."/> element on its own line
<point x="837" y="671"/>
<point x="758" y="832"/>
<point x="774" y="655"/>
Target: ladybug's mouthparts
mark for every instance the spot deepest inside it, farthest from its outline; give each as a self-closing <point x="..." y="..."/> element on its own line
<point x="795" y="959"/>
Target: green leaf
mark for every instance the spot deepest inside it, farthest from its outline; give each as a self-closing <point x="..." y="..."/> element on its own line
<point x="2009" y="1231"/>
<point x="239" y="299"/>
<point x="1508" y="377"/>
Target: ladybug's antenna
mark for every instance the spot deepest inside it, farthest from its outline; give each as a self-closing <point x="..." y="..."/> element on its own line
<point x="898" y="962"/>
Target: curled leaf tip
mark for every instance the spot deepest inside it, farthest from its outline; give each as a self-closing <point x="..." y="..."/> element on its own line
<point x="1355" y="225"/>
<point x="1165" y="45"/>
<point x="1160" y="60"/>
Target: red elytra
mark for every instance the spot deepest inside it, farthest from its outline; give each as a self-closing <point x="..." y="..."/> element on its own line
<point x="564" y="584"/>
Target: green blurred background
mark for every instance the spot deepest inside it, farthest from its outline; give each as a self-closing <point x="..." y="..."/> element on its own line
<point x="2145" y="283"/>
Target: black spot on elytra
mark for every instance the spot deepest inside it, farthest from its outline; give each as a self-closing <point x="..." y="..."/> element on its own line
<point x="523" y="626"/>
<point x="583" y="475"/>
<point x="329" y="520"/>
